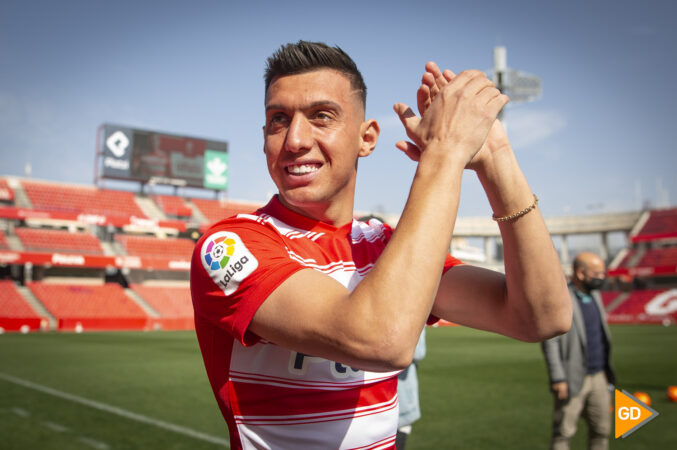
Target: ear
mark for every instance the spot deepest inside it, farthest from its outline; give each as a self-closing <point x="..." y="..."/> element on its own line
<point x="580" y="276"/>
<point x="369" y="131"/>
<point x="263" y="130"/>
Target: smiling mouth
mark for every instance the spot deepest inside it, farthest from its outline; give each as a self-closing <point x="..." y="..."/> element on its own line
<point x="303" y="169"/>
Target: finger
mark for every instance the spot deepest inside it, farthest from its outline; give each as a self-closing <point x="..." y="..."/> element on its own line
<point x="407" y="116"/>
<point x="432" y="68"/>
<point x="448" y="74"/>
<point x="439" y="79"/>
<point x="479" y="84"/>
<point x="467" y="76"/>
<point x="497" y="103"/>
<point x="423" y="99"/>
<point x="428" y="79"/>
<point x="409" y="149"/>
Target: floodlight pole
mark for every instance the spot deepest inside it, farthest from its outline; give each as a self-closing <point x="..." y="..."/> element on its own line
<point x="500" y="67"/>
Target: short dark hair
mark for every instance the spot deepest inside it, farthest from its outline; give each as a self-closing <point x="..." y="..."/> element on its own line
<point x="304" y="56"/>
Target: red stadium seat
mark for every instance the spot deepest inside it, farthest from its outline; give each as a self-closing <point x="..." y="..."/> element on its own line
<point x="661" y="224"/>
<point x="12" y="303"/>
<point x="173" y="205"/>
<point x="15" y="313"/>
<point x="180" y="248"/>
<point x="659" y="257"/>
<point x="81" y="199"/>
<point x="43" y="240"/>
<point x="103" y="307"/>
<point x="168" y="301"/>
<point x="4" y="245"/>
<point x="634" y="308"/>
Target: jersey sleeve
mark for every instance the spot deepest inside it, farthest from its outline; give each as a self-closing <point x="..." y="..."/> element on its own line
<point x="449" y="262"/>
<point x="235" y="267"/>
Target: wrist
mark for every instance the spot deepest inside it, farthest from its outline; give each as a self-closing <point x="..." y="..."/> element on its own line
<point x="494" y="163"/>
<point x="440" y="156"/>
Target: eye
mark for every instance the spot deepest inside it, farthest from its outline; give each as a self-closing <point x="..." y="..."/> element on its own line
<point x="323" y="116"/>
<point x="277" y="120"/>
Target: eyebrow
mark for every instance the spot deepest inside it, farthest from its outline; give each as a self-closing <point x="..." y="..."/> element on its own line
<point x="312" y="105"/>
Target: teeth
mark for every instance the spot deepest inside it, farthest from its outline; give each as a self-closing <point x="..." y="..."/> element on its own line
<point x="302" y="169"/>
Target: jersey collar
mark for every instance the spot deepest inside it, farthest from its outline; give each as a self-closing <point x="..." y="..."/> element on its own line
<point x="276" y="209"/>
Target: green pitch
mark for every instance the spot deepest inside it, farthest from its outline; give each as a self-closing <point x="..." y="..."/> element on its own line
<point x="149" y="391"/>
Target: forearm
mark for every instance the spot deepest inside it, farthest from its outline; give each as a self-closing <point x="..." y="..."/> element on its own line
<point x="536" y="295"/>
<point x="401" y="287"/>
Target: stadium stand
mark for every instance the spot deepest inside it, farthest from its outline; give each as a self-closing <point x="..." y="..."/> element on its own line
<point x="181" y="248"/>
<point x="659" y="257"/>
<point x="15" y="312"/>
<point x="660" y="224"/>
<point x="91" y="307"/>
<point x="6" y="192"/>
<point x="81" y="199"/>
<point x="4" y="245"/>
<point x="215" y="210"/>
<point x="134" y="251"/>
<point x="173" y="304"/>
<point x="44" y="240"/>
<point x="173" y="206"/>
<point x="608" y="297"/>
<point x="646" y="306"/>
<point x="629" y="256"/>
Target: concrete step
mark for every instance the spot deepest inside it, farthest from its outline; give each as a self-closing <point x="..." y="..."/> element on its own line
<point x="21" y="199"/>
<point x="38" y="306"/>
<point x="617" y="301"/>
<point x="197" y="214"/>
<point x="108" y="249"/>
<point x="142" y="303"/>
<point x="149" y="208"/>
<point x="14" y="243"/>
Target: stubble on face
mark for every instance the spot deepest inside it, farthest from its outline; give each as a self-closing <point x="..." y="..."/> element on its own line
<point x="312" y="140"/>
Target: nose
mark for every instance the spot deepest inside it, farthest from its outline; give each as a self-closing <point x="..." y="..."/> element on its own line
<point x="299" y="134"/>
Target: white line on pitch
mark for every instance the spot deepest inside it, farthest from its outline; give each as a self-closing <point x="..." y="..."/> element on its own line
<point x="54" y="426"/>
<point x="118" y="411"/>
<point x="95" y="444"/>
<point x="20" y="412"/>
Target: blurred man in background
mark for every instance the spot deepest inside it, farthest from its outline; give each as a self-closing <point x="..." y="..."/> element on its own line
<point x="579" y="363"/>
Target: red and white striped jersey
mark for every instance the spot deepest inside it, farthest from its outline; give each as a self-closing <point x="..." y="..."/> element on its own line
<point x="272" y="397"/>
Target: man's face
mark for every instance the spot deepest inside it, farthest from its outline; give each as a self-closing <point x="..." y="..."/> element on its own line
<point x="593" y="274"/>
<point x="313" y="137"/>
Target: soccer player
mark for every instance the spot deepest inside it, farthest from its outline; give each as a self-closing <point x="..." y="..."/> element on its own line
<point x="305" y="316"/>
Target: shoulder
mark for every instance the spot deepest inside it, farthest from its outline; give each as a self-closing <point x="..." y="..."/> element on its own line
<point x="247" y="226"/>
<point x="371" y="231"/>
<point x="241" y="236"/>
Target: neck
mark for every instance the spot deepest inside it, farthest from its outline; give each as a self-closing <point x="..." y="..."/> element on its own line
<point x="581" y="288"/>
<point x="331" y="212"/>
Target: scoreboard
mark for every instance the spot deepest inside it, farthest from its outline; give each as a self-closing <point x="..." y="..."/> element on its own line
<point x="147" y="156"/>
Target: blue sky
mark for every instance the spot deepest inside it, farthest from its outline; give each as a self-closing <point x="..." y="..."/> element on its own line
<point x="600" y="139"/>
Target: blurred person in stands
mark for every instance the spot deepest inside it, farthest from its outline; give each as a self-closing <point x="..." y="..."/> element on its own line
<point x="579" y="363"/>
<point x="304" y="315"/>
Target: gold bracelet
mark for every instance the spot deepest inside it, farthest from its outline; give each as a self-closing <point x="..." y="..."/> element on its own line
<point x="518" y="214"/>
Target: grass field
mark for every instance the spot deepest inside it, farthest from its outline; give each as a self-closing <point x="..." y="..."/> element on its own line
<point x="149" y="391"/>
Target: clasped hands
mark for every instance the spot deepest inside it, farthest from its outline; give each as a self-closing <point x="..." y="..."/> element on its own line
<point x="458" y="114"/>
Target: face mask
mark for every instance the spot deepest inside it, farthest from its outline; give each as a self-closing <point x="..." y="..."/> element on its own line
<point x="592" y="284"/>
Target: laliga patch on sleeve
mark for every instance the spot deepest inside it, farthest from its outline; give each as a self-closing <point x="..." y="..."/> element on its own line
<point x="227" y="260"/>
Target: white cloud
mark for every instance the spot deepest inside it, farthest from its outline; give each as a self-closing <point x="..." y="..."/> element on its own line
<point x="527" y="129"/>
